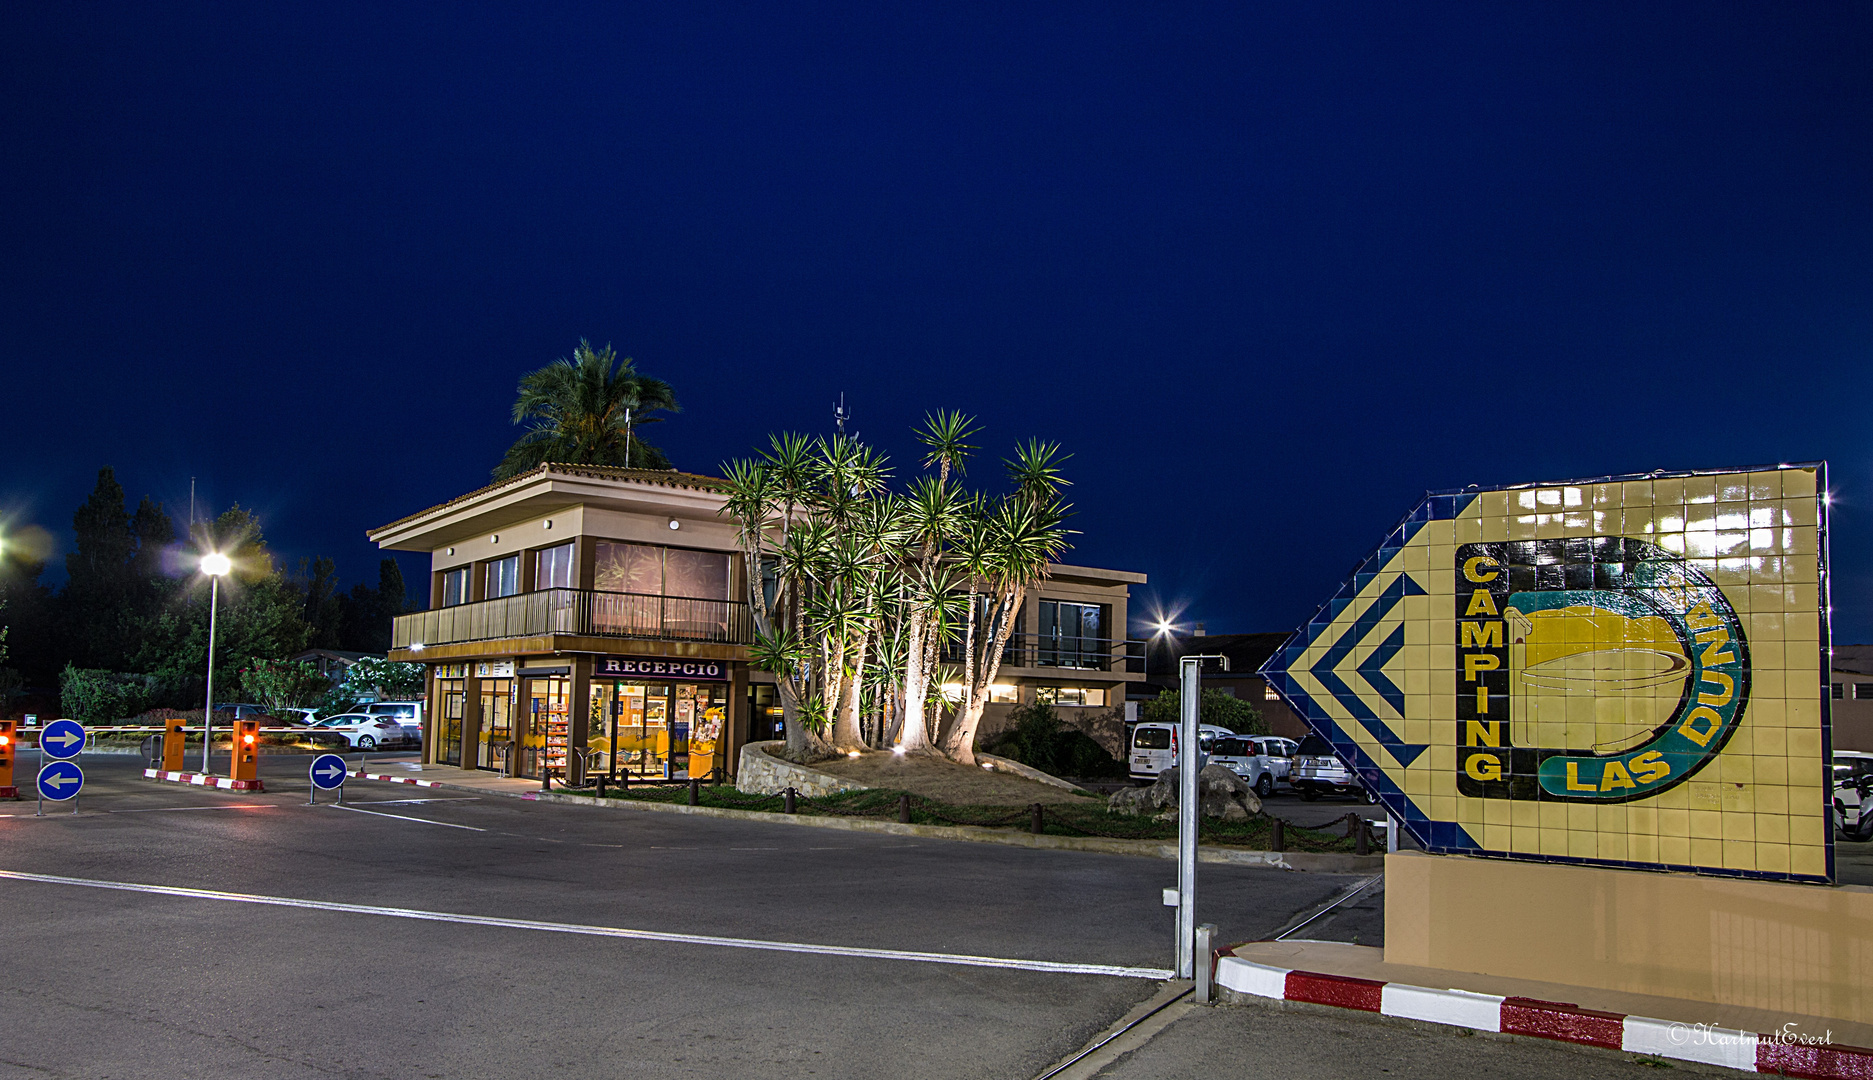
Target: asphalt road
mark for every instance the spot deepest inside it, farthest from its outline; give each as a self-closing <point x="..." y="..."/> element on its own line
<point x="111" y="983"/>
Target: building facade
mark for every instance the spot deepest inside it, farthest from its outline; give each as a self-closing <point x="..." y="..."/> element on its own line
<point x="588" y="619"/>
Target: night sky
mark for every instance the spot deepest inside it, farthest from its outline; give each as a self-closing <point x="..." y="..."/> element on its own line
<point x="1268" y="273"/>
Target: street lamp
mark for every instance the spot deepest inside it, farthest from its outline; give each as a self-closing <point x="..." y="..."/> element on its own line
<point x="214" y="564"/>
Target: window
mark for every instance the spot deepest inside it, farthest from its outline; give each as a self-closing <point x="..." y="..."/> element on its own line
<point x="1154" y="738"/>
<point x="1070" y="695"/>
<point x="1070" y="635"/>
<point x="455" y="587"/>
<point x="1004" y="693"/>
<point x="552" y="568"/>
<point x="1269" y="694"/>
<point x="503" y="577"/>
<point x="656" y="571"/>
<point x="1837" y="691"/>
<point x="1863" y="691"/>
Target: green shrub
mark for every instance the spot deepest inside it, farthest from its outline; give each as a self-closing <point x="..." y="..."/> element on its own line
<point x="1214" y="707"/>
<point x="1037" y="738"/>
<point x="95" y="696"/>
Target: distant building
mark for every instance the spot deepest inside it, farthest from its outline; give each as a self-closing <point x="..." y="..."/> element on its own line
<point x="333" y="663"/>
<point x="1850" y="686"/>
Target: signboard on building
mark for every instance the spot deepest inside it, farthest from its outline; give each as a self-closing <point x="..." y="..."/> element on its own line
<point x="1625" y="671"/>
<point x="660" y="667"/>
<point x="494" y="669"/>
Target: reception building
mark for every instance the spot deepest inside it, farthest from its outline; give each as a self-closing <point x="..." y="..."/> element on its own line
<point x="589" y="619"/>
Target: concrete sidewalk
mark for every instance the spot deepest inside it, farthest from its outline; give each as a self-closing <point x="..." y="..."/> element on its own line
<point x="476" y="780"/>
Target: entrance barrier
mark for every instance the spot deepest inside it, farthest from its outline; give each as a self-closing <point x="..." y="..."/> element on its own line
<point x="172" y="744"/>
<point x="7" y="737"/>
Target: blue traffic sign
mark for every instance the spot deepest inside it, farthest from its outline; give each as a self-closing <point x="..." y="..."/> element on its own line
<point x="60" y="780"/>
<point x="62" y="739"/>
<point x="328" y="772"/>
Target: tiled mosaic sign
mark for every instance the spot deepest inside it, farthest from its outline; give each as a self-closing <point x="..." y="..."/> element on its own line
<point x="1626" y="671"/>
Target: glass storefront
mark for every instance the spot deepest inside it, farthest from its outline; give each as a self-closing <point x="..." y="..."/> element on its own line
<point x="656" y="730"/>
<point x="497" y="722"/>
<point x="544" y="725"/>
<point x="452" y="693"/>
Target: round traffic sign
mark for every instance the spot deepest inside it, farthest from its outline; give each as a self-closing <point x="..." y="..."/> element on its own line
<point x="327" y="772"/>
<point x="62" y="739"/>
<point x="60" y="781"/>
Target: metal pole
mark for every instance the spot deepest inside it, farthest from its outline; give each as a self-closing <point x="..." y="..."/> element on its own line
<point x="208" y="707"/>
<point x="1188" y="765"/>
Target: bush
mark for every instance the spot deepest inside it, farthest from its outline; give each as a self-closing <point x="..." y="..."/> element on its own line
<point x="1037" y="738"/>
<point x="95" y="696"/>
<point x="1214" y="707"/>
<point x="279" y="686"/>
<point x="390" y="680"/>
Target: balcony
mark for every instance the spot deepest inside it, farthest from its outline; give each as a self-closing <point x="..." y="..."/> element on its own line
<point x="1078" y="654"/>
<point x="578" y="613"/>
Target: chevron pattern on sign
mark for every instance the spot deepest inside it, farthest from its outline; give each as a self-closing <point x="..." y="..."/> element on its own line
<point x="1353" y="685"/>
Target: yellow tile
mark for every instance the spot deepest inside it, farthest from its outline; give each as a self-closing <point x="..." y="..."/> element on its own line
<point x="1610" y="819"/>
<point x="1668" y="492"/>
<point x="1582" y="844"/>
<point x="1706" y="852"/>
<point x="1552" y="842"/>
<point x="1674" y="823"/>
<point x="1497" y="838"/>
<point x="1804" y="743"/>
<point x="1636" y="493"/>
<point x="1614" y="846"/>
<point x="1496" y="811"/>
<point x="1739" y="855"/>
<point x="1739" y="827"/>
<point x="1804" y="712"/>
<point x="1771" y="828"/>
<point x="1700" y="489"/>
<point x="1641" y="847"/>
<point x="1770" y="798"/>
<point x="1553" y="815"/>
<point x="1739" y="798"/>
<point x="1807" y="861"/>
<point x="1706" y="824"/>
<point x="1772" y="858"/>
<point x="1525" y="815"/>
<point x="1674" y="850"/>
<point x="1641" y="818"/>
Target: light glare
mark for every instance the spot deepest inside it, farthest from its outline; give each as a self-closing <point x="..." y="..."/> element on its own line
<point x="215" y="564"/>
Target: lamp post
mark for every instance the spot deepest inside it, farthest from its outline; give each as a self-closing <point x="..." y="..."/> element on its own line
<point x="214" y="564"/>
<point x="1189" y="765"/>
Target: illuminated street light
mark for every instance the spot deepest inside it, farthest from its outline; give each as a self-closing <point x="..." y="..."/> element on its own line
<point x="215" y="565"/>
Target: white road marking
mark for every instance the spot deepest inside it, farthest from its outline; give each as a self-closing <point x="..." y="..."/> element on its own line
<point x="411" y="802"/>
<point x="959" y="959"/>
<point x="403" y="817"/>
<point x="168" y="809"/>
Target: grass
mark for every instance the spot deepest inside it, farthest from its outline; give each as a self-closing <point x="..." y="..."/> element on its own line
<point x="1088" y="818"/>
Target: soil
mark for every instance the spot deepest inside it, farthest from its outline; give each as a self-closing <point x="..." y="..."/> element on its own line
<point x="936" y="778"/>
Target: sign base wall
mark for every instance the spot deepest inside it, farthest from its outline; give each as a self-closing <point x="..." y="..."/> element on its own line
<point x="1806" y="949"/>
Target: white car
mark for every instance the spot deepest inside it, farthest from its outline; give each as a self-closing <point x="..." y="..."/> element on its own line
<point x="1318" y="771"/>
<point x="1154" y="746"/>
<point x="366" y="732"/>
<point x="1248" y="758"/>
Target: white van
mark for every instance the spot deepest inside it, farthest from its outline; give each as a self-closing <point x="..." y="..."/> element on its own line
<point x="1249" y="758"/>
<point x="1154" y="747"/>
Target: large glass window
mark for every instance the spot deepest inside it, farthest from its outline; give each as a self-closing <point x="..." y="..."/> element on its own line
<point x="1071" y="635"/>
<point x="503" y="577"/>
<point x="657" y="571"/>
<point x="553" y="568"/>
<point x="455" y="587"/>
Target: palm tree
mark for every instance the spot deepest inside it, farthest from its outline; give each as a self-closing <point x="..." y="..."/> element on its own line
<point x="585" y="411"/>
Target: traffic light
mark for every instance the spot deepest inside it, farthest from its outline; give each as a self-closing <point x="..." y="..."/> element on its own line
<point x="172" y="744"/>
<point x="244" y="767"/>
<point x="7" y="737"/>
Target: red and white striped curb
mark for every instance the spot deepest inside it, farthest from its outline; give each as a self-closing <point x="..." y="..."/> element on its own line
<point x="203" y="780"/>
<point x="1782" y="1054"/>
<point x="394" y="779"/>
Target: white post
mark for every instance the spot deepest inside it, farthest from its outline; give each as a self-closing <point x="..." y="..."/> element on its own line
<point x="1188" y="765"/>
<point x="208" y="708"/>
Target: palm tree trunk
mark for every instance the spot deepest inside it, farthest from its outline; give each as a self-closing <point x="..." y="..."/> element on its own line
<point x="959" y="742"/>
<point x="915" y="736"/>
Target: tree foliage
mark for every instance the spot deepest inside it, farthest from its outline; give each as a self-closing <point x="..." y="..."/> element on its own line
<point x="135" y="603"/>
<point x="1037" y="737"/>
<point x="390" y="680"/>
<point x="279" y="686"/>
<point x="870" y="601"/>
<point x="92" y="696"/>
<point x="587" y="410"/>
<point x="1213" y="707"/>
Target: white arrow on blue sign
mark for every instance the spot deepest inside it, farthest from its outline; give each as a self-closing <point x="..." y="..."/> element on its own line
<point x="62" y="739"/>
<point x="60" y="780"/>
<point x="328" y="772"/>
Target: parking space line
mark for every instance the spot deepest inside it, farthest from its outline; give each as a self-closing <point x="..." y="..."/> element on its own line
<point x="958" y="959"/>
<point x="404" y="817"/>
<point x="171" y="809"/>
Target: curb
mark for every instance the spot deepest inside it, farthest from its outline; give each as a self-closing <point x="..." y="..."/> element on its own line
<point x="204" y="780"/>
<point x="1151" y="849"/>
<point x="1744" y="1050"/>
<point x="361" y="774"/>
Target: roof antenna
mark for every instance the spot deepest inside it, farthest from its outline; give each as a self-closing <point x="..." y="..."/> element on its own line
<point x="839" y="413"/>
<point x="191" y="502"/>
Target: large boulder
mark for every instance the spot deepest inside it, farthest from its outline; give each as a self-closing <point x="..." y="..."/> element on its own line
<point x="1220" y="794"/>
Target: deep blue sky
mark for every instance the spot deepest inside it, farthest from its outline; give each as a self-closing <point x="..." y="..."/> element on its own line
<point x="1268" y="272"/>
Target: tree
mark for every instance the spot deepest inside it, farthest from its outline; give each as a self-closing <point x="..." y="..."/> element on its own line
<point x="862" y="592"/>
<point x="280" y="686"/>
<point x="1213" y="707"/>
<point x="387" y="679"/>
<point x="586" y="411"/>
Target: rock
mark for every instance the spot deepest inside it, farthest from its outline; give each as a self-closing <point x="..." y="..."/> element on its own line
<point x="1220" y="794"/>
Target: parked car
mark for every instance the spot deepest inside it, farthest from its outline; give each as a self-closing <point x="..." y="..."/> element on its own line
<point x="1154" y="747"/>
<point x="1853" y="794"/>
<point x="1247" y="758"/>
<point x="239" y="711"/>
<point x="1318" y="771"/>
<point x="1280" y="754"/>
<point x="367" y="732"/>
<point x="407" y="713"/>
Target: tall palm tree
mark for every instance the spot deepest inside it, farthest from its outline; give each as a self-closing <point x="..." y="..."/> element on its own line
<point x="585" y="411"/>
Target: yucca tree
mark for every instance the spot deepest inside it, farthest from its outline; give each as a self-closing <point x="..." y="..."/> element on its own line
<point x="586" y="410"/>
